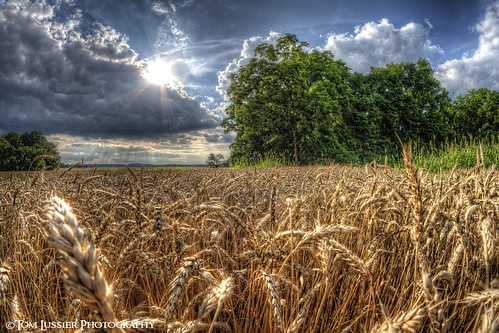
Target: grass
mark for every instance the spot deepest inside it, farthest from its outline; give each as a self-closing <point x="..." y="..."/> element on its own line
<point x="465" y="154"/>
<point x="291" y="249"/>
<point x="268" y="160"/>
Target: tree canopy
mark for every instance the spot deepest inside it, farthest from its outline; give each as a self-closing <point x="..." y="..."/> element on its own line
<point x="18" y="152"/>
<point x="477" y="113"/>
<point x="307" y="105"/>
<point x="290" y="101"/>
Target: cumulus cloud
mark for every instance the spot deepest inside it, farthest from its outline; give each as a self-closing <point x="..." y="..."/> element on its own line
<point x="78" y="76"/>
<point x="376" y="44"/>
<point x="480" y="69"/>
<point x="246" y="54"/>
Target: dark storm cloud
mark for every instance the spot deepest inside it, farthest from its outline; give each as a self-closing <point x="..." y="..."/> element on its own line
<point x="79" y="77"/>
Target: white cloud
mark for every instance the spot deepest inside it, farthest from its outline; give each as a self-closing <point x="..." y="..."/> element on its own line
<point x="247" y="53"/>
<point x="108" y="44"/>
<point x="376" y="44"/>
<point x="160" y="8"/>
<point x="481" y="69"/>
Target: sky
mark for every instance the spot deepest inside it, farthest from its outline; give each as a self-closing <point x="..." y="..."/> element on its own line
<point x="144" y="81"/>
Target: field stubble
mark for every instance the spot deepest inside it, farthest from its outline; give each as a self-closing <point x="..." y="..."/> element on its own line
<point x="295" y="249"/>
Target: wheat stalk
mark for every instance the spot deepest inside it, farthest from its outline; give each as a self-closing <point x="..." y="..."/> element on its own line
<point x="79" y="259"/>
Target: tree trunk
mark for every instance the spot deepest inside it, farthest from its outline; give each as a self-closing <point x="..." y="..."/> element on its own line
<point x="295" y="142"/>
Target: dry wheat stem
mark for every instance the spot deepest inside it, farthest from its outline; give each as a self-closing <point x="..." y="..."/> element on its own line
<point x="241" y="225"/>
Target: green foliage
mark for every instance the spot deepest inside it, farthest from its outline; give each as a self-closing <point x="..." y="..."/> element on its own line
<point x="476" y="113"/>
<point x="465" y="153"/>
<point x="405" y="100"/>
<point x="309" y="108"/>
<point x="289" y="101"/>
<point x="18" y="152"/>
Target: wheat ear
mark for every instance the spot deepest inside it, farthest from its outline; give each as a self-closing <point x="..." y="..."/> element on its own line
<point x="307" y="299"/>
<point x="79" y="259"/>
<point x="488" y="245"/>
<point x="275" y="299"/>
<point x="351" y="259"/>
<point x="405" y="321"/>
<point x="484" y="296"/>
<point x="4" y="280"/>
<point x="191" y="265"/>
<point x="434" y="304"/>
<point x="223" y="292"/>
<point x="490" y="321"/>
<point x="39" y="157"/>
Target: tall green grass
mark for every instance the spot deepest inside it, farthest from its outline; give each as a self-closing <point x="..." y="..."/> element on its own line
<point x="270" y="159"/>
<point x="466" y="153"/>
<point x="463" y="154"/>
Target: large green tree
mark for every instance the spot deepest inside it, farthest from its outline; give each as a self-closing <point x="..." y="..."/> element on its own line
<point x="17" y="152"/>
<point x="288" y="100"/>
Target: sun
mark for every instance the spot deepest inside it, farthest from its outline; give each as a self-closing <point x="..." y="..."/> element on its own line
<point x="160" y="73"/>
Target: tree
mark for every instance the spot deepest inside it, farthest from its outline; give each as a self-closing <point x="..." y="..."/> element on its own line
<point x="405" y="99"/>
<point x="476" y="113"/>
<point x="287" y="100"/>
<point x="215" y="160"/>
<point x="307" y="106"/>
<point x="17" y="152"/>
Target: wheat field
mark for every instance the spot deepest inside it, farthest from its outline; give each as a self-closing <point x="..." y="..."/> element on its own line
<point x="292" y="249"/>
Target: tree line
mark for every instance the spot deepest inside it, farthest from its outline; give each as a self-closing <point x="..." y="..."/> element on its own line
<point x="310" y="108"/>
